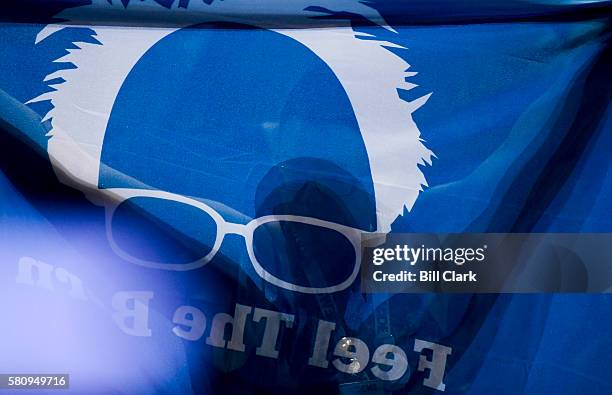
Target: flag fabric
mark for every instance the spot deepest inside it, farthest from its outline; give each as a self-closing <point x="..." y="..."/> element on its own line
<point x="183" y="181"/>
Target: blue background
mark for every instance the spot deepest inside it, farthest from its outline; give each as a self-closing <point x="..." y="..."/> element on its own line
<point x="520" y="123"/>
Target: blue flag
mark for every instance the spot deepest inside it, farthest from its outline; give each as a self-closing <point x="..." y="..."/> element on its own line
<point x="185" y="184"/>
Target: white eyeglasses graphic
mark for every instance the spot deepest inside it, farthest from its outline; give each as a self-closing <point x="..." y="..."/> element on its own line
<point x="224" y="228"/>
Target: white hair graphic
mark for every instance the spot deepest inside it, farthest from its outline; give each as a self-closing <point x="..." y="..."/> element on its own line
<point x="367" y="70"/>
